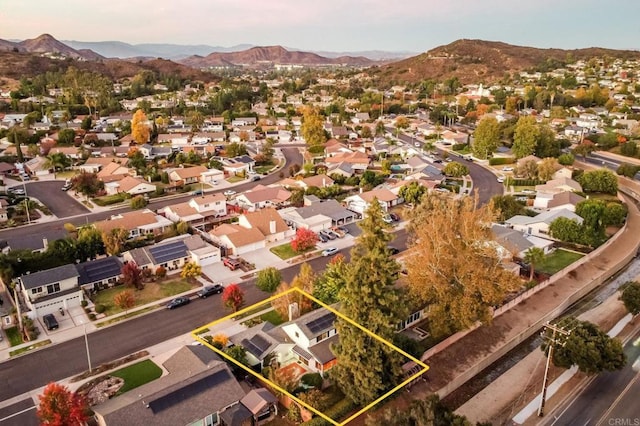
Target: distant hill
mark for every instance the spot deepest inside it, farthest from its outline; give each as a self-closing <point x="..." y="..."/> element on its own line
<point x="479" y="60"/>
<point x="15" y="65"/>
<point x="118" y="49"/>
<point x="270" y="54"/>
<point x="46" y="43"/>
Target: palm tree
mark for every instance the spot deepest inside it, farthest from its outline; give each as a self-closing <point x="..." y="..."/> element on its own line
<point x="56" y="160"/>
<point x="533" y="257"/>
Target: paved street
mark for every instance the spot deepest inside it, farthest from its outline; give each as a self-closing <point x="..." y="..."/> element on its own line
<point x="49" y="193"/>
<point x="607" y="398"/>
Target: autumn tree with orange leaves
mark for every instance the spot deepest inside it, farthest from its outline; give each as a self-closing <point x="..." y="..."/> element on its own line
<point x="453" y="267"/>
<point x="59" y="406"/>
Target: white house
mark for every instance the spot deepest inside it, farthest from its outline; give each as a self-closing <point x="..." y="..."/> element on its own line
<point x="48" y="291"/>
<point x="198" y="211"/>
<point x="359" y="203"/>
<point x="539" y="225"/>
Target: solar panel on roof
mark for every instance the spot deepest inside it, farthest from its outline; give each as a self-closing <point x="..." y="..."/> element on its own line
<point x="257" y="345"/>
<point x="321" y="323"/>
<point x="167" y="252"/>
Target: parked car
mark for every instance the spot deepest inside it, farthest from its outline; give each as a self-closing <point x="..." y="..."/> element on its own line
<point x="229" y="193"/>
<point x="339" y="232"/>
<point x="507" y="169"/>
<point x="330" y="251"/>
<point x="197" y="192"/>
<point x="210" y="290"/>
<point x="395" y="217"/>
<point x="16" y="191"/>
<point x="393" y="250"/>
<point x="322" y="237"/>
<point x="177" y="302"/>
<point x="387" y="219"/>
<point x="327" y="235"/>
<point x="334" y="233"/>
<point x="230" y="263"/>
<point x="255" y="178"/>
<point x="50" y="322"/>
<point x="67" y="186"/>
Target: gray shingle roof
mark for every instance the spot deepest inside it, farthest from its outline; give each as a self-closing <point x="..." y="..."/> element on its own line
<point x="99" y="269"/>
<point x="38" y="279"/>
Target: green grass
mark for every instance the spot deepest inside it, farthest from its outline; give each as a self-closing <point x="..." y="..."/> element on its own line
<point x="14" y="336"/>
<point x="29" y="348"/>
<point x="108" y="200"/>
<point x="126" y="316"/>
<point x="285" y="251"/>
<point x="273" y="317"/>
<point x="557" y="261"/>
<point x="152" y="292"/>
<point x="234" y="179"/>
<point x="137" y="375"/>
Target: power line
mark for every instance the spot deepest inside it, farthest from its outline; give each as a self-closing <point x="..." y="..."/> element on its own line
<point x="552" y="342"/>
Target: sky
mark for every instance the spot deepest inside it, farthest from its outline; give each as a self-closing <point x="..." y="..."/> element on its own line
<point x="329" y="25"/>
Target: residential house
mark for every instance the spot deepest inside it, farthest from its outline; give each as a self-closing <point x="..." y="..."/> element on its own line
<point x="358" y="161"/>
<point x="550" y="195"/>
<point x="318" y="215"/>
<point x="319" y="181"/>
<point x="262" y="196"/>
<point x="359" y="203"/>
<point x="268" y="222"/>
<point x="258" y="406"/>
<point x="37" y="243"/>
<point x="6" y="169"/>
<point x="539" y="225"/>
<point x="198" y="388"/>
<point x="113" y="172"/>
<point x="198" y="211"/>
<point x="236" y="239"/>
<point x="38" y="166"/>
<point x="517" y="243"/>
<point x="138" y="223"/>
<point x="238" y="165"/>
<point x="48" y="291"/>
<point x="360" y="117"/>
<point x="99" y="274"/>
<point x="131" y="185"/>
<point x="244" y="121"/>
<point x="186" y="175"/>
<point x="152" y="151"/>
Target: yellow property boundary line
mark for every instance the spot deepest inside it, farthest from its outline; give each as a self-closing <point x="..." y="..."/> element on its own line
<point x="196" y="336"/>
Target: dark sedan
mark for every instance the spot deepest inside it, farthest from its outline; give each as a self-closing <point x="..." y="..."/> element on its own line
<point x="210" y="290"/>
<point x="177" y="302"/>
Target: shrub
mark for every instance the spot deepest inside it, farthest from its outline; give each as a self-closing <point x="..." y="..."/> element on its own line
<point x="338" y="411"/>
<point x="84" y="303"/>
<point x="407" y="344"/>
<point x="138" y="202"/>
<point x="628" y="170"/>
<point x="92" y="316"/>
<point x="87" y="310"/>
<point x="269" y="279"/>
<point x="498" y="161"/>
<point x="100" y="308"/>
<point x="312" y="379"/>
<point x="161" y="272"/>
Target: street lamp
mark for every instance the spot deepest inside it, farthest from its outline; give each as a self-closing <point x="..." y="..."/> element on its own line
<point x="26" y="202"/>
<point x="86" y="344"/>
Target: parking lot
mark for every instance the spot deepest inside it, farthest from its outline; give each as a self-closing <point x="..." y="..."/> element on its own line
<point x="51" y="195"/>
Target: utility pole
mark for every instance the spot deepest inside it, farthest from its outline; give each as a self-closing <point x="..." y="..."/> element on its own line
<point x="552" y="343"/>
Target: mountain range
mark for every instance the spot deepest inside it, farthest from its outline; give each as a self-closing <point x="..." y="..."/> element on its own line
<point x="46" y="43"/>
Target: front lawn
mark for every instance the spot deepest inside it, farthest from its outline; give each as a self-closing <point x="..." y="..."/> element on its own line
<point x="285" y="251"/>
<point x="137" y="374"/>
<point x="234" y="179"/>
<point x="151" y="292"/>
<point x="557" y="261"/>
<point x="273" y="317"/>
<point x="14" y="336"/>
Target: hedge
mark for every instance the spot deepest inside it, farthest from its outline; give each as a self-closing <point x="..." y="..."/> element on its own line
<point x="111" y="199"/>
<point x="459" y="146"/>
<point x="338" y="411"/>
<point x="498" y="161"/>
<point x="312" y="379"/>
<point x="527" y="182"/>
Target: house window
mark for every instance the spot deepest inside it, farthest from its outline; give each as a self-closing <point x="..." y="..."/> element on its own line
<point x="322" y="336"/>
<point x="53" y="288"/>
<point x="36" y="290"/>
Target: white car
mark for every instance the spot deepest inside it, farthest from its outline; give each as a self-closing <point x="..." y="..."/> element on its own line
<point x="229" y="192"/>
<point x="329" y="252"/>
<point x="507" y="169"/>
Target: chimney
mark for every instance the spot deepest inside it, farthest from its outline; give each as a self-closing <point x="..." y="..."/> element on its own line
<point x="294" y="312"/>
<point x="272" y="226"/>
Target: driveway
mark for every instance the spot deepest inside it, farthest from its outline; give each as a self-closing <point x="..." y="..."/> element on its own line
<point x="51" y="195"/>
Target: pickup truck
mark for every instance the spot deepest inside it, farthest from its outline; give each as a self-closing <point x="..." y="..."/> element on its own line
<point x="230" y="263"/>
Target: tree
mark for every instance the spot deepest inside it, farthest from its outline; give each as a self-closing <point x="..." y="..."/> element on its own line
<point x="445" y="230"/>
<point x="66" y="137"/>
<point x="528" y="169"/>
<point x="191" y="270"/>
<point x="525" y="137"/>
<point x="87" y="183"/>
<point x="420" y="412"/>
<point x="304" y="240"/>
<point x="89" y="243"/>
<point x="588" y="347"/>
<point x="533" y="257"/>
<point x="132" y="275"/>
<point x="58" y="406"/>
<point x="565" y="229"/>
<point x="138" y="202"/>
<point x="547" y="168"/>
<point x="86" y="124"/>
<point x="18" y="136"/>
<point x="366" y="132"/>
<point x="305" y="280"/>
<point x="455" y="169"/>
<point x="312" y="128"/>
<point x="599" y="181"/>
<point x="413" y="192"/>
<point x="486" y="138"/>
<point x="196" y="119"/>
<point x="125" y="300"/>
<point x="631" y="297"/>
<point x="235" y="149"/>
<point x="269" y="279"/>
<point x="238" y="353"/>
<point x="233" y="297"/>
<point x="114" y="240"/>
<point x="139" y="129"/>
<point x="566" y="159"/>
<point x="506" y="207"/>
<point x="365" y="366"/>
<point x="332" y="281"/>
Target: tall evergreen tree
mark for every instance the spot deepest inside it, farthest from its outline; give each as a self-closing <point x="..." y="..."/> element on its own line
<point x="367" y="367"/>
